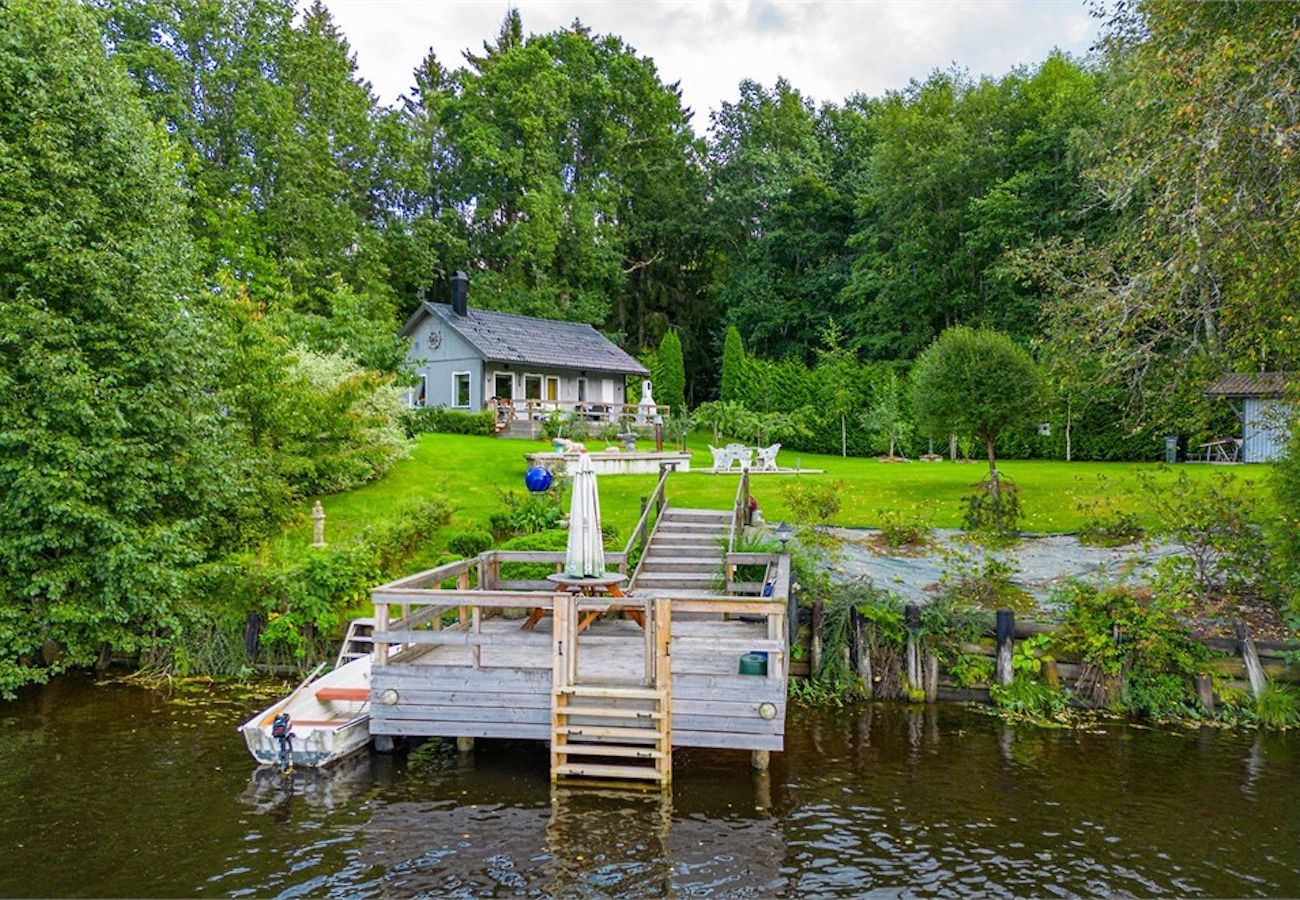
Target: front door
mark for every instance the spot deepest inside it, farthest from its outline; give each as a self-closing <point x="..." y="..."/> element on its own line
<point x="552" y="388"/>
<point x="503" y="386"/>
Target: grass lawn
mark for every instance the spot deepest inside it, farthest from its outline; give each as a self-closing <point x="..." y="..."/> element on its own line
<point x="472" y="472"/>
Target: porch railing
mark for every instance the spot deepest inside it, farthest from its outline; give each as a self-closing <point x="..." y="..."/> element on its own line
<point x="507" y="411"/>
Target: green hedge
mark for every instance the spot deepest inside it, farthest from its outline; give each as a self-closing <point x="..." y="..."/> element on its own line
<point x="557" y="539"/>
<point x="449" y="421"/>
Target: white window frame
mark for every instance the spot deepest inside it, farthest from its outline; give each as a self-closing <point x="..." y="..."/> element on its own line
<point x="541" y="384"/>
<point x="418" y="396"/>
<point x="469" y="389"/>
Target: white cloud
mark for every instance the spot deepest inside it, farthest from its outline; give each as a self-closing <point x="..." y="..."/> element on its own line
<point x="828" y="49"/>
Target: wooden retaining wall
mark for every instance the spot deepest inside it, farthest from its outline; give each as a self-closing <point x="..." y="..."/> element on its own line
<point x="1230" y="668"/>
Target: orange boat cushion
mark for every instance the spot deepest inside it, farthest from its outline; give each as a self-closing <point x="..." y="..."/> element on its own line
<point x="342" y="693"/>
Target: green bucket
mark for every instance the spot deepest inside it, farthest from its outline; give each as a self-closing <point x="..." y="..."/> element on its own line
<point x="753" y="664"/>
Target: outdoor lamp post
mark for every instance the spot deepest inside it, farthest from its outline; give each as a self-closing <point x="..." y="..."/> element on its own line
<point x="783" y="534"/>
<point x="659" y="433"/>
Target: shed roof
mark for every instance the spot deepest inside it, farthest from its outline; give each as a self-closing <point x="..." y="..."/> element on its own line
<point x="1258" y="384"/>
<point x="510" y="338"/>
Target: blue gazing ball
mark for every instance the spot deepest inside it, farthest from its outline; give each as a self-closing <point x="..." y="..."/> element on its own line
<point x="538" y="479"/>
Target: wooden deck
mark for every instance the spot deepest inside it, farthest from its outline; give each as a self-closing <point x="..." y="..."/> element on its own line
<point x="613" y="699"/>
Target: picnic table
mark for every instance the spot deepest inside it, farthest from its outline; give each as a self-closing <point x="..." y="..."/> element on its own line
<point x="604" y="585"/>
<point x="1223" y="450"/>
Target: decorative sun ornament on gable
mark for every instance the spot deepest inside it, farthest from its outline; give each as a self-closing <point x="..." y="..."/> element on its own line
<point x="435" y="339"/>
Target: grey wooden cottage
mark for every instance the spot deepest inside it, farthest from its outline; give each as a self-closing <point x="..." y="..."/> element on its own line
<point x="470" y="359"/>
<point x="1263" y="409"/>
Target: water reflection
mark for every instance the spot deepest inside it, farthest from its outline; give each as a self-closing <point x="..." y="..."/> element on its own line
<point x="113" y="790"/>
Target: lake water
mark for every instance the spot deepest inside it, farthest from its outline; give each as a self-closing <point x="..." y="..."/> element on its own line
<point x="112" y="789"/>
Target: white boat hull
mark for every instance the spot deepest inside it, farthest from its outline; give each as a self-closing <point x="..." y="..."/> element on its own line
<point x="327" y="719"/>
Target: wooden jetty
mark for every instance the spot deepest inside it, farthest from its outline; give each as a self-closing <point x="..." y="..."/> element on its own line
<point x="614" y="683"/>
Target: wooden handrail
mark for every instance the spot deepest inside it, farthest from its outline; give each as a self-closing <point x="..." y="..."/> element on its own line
<point x="739" y="510"/>
<point x="652" y="503"/>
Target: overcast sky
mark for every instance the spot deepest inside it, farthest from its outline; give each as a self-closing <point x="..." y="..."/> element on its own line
<point x="828" y="49"/>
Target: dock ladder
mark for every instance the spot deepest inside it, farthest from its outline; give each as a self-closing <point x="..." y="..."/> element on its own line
<point x="611" y="729"/>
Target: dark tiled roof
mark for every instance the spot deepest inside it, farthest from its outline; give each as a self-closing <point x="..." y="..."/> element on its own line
<point x="504" y="337"/>
<point x="1258" y="384"/>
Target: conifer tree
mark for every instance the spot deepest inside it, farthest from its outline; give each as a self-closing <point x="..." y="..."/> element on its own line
<point x="671" y="387"/>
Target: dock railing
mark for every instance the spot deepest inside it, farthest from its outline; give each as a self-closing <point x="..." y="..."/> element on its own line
<point x="416" y="612"/>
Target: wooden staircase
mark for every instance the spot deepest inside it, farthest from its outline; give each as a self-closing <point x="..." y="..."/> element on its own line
<point x="606" y="729"/>
<point x="686" y="551"/>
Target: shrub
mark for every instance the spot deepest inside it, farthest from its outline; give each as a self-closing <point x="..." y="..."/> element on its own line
<point x="541" y="540"/>
<point x="556" y="424"/>
<point x="470" y="542"/>
<point x="1028" y="696"/>
<point x="449" y="421"/>
<point x="994" y="509"/>
<point x="901" y="529"/>
<point x="812" y="502"/>
<point x="534" y="512"/>
<point x="1219" y="530"/>
<point x="346" y="427"/>
<point x="1278" y="706"/>
<point x="305" y="600"/>
<point x="985" y="586"/>
<point x="1139" y="654"/>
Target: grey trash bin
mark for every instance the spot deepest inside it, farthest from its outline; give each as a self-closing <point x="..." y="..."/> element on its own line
<point x="1171" y="448"/>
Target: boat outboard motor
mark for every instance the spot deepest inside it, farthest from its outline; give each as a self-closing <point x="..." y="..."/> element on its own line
<point x="281" y="730"/>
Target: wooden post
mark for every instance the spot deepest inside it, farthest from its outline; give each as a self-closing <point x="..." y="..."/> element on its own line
<point x="383" y="743"/>
<point x="1250" y="656"/>
<point x="1006" y="630"/>
<point x="815" y="657"/>
<point x="760" y="760"/>
<point x="1205" y="693"/>
<point x="931" y="678"/>
<point x="1051" y="674"/>
<point x="862" y="652"/>
<point x="792" y="616"/>
<point x="465" y="744"/>
<point x="912" y="622"/>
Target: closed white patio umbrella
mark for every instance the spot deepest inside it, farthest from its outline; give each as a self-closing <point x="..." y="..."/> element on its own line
<point x="585" y="555"/>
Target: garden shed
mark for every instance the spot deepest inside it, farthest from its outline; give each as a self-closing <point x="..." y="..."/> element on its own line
<point x="1263" y="409"/>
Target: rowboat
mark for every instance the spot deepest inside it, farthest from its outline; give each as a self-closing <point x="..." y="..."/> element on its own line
<point x="324" y="719"/>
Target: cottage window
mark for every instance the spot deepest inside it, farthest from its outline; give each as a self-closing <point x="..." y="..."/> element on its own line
<point x="417" y="396"/>
<point x="582" y="390"/>
<point x="460" y="389"/>
<point x="532" y="387"/>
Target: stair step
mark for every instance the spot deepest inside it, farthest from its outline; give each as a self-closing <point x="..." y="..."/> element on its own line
<point x="681" y="512"/>
<point x="608" y="712"/>
<point x="675" y="577"/>
<point x="596" y="770"/>
<point x="690" y="528"/>
<point x="609" y="691"/>
<point x="607" y="731"/>
<point x="689" y="541"/>
<point x="664" y="567"/>
<point x="609" y="750"/>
